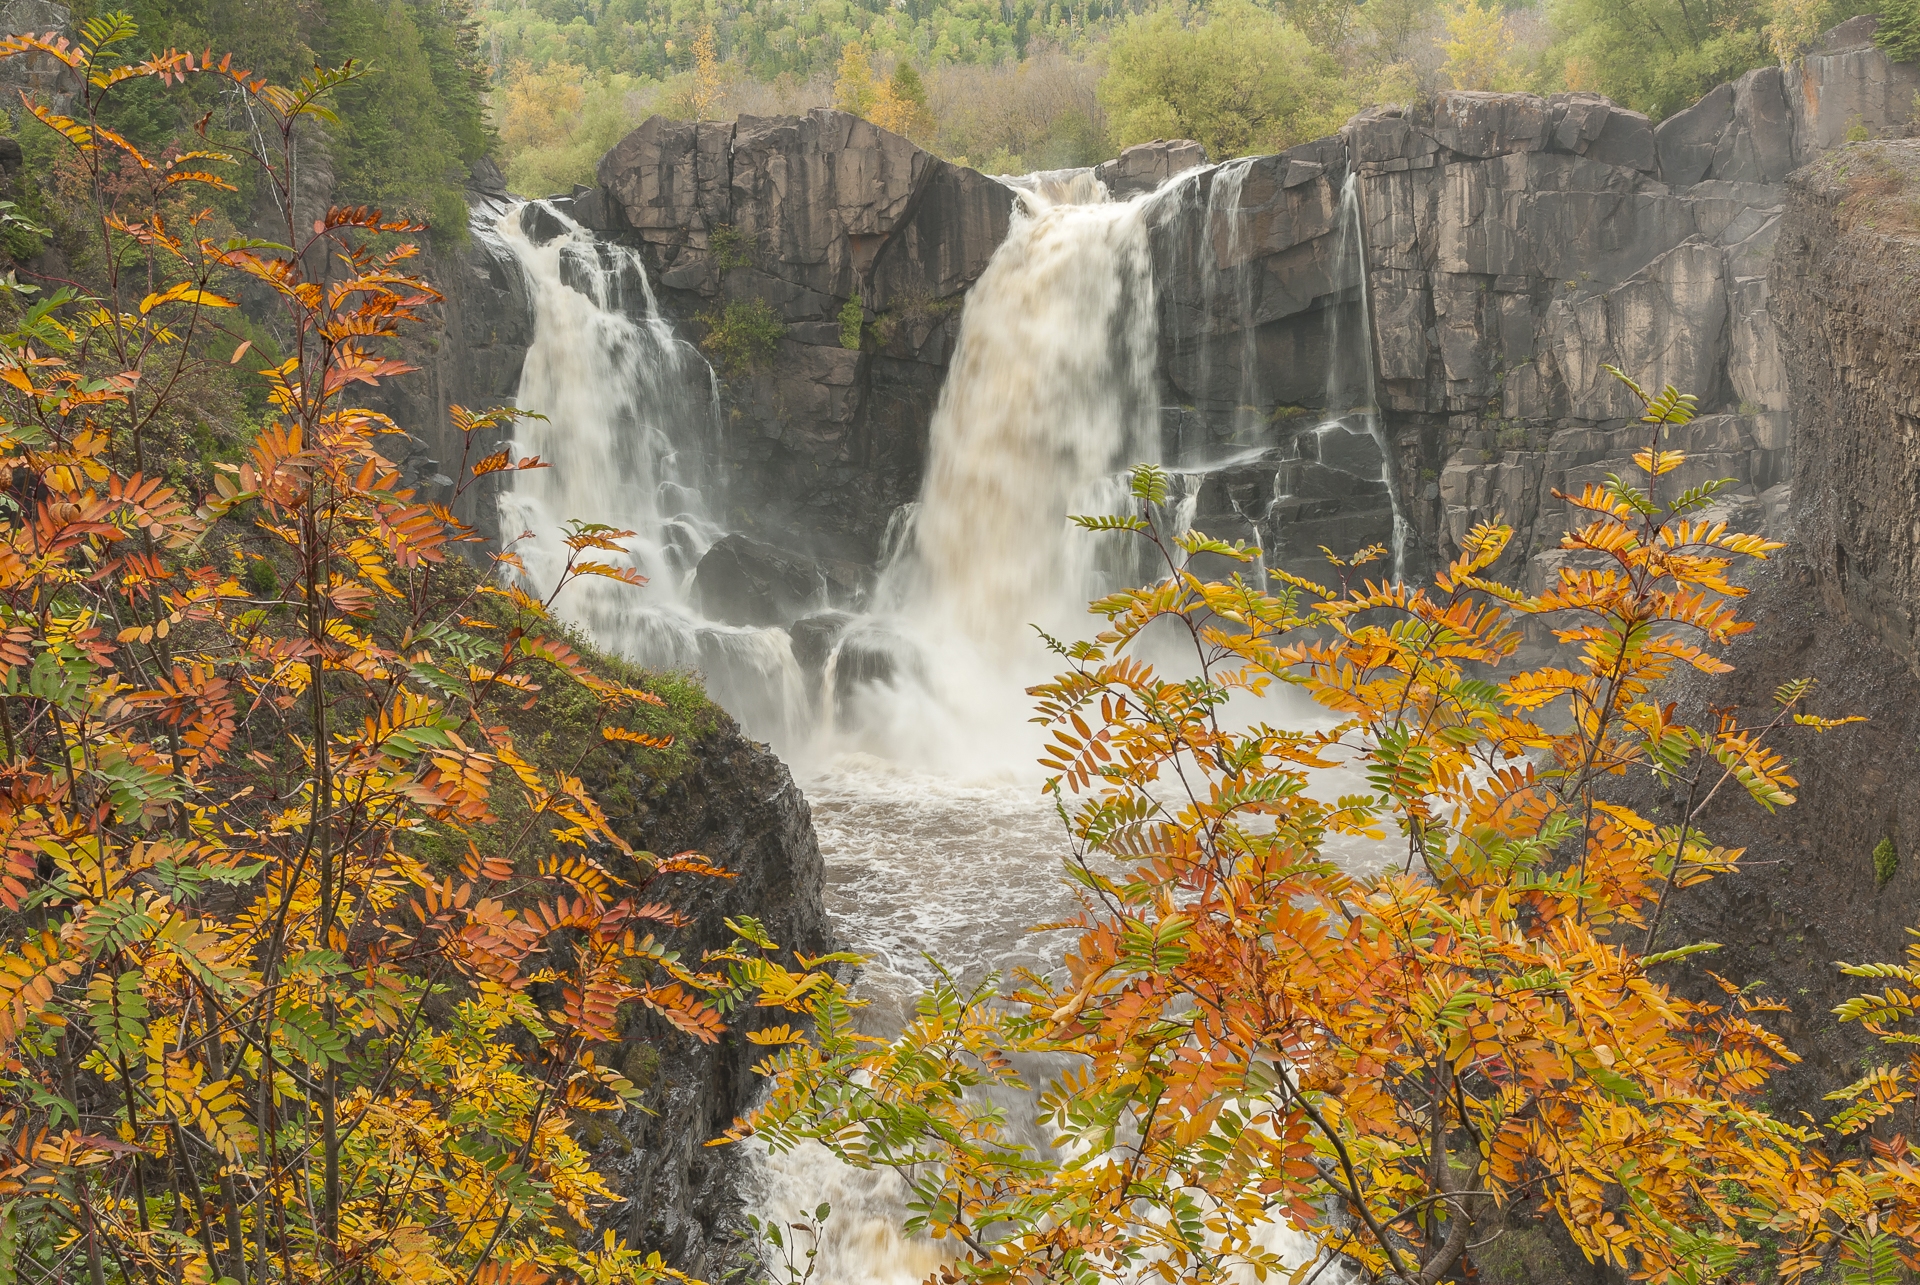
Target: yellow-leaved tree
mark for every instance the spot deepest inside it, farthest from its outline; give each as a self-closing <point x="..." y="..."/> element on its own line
<point x="1394" y="1063"/>
<point x="305" y="966"/>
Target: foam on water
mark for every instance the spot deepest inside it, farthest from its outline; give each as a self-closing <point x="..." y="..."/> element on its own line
<point x="919" y="757"/>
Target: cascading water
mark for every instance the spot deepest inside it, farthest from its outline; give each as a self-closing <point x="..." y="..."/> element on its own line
<point x="1049" y="398"/>
<point x="630" y="414"/>
<point x="919" y="765"/>
<point x="1353" y="390"/>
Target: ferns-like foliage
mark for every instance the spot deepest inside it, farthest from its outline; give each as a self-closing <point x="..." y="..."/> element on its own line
<point x="283" y="997"/>
<point x="1396" y="1062"/>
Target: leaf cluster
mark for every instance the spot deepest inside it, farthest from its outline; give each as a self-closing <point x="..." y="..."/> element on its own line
<point x="308" y="969"/>
<point x="1395" y="1062"/>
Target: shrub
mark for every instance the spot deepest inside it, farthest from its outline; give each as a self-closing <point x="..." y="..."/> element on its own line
<point x="851" y="316"/>
<point x="742" y="335"/>
<point x="281" y="995"/>
<point x="1237" y="78"/>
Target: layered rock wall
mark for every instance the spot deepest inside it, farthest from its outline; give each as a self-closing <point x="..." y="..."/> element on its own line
<point x="1848" y="265"/>
<point x="1514" y="248"/>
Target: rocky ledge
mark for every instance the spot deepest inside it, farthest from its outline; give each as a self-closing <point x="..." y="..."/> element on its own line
<point x="737" y="804"/>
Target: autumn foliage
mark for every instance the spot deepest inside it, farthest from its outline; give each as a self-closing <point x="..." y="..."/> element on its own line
<point x="1399" y="1064"/>
<point x="305" y="964"/>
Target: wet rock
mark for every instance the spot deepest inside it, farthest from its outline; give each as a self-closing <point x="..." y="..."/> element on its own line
<point x="737" y="804"/>
<point x="540" y="223"/>
<point x="814" y="638"/>
<point x="744" y="581"/>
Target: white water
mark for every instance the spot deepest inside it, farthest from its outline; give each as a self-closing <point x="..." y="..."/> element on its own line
<point x="630" y="412"/>
<point x="920" y="763"/>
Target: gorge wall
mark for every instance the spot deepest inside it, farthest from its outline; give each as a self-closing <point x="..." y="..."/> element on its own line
<point x="1514" y="246"/>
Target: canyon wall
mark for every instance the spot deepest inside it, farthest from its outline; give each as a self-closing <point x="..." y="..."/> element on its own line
<point x="733" y="801"/>
<point x="1514" y="247"/>
<point x="1839" y="605"/>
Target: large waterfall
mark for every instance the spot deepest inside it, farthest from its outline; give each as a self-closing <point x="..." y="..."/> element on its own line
<point x="918" y="757"/>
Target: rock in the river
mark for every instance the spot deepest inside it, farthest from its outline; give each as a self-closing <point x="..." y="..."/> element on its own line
<point x="743" y="581"/>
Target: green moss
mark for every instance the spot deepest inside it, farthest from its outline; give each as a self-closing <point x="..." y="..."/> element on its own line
<point x="729" y="247"/>
<point x="559" y="730"/>
<point x="742" y="335"/>
<point x="1521" y="1256"/>
<point x="1886" y="861"/>
<point x="640" y="1064"/>
<point x="851" y="316"/>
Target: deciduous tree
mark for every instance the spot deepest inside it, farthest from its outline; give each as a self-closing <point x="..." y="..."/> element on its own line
<point x="1397" y="1061"/>
<point x="306" y="969"/>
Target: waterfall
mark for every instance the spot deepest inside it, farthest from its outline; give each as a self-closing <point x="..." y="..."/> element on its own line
<point x="1049" y="398"/>
<point x="918" y="757"/>
<point x="628" y="415"/>
<point x="1353" y="389"/>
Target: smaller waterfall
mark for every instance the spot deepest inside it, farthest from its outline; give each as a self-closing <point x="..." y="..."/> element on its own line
<point x="1224" y="249"/>
<point x="1353" y="389"/>
<point x="629" y="414"/>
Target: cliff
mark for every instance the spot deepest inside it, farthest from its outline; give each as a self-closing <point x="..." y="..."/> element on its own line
<point x="736" y="803"/>
<point x="1514" y="245"/>
<point x="1839" y="607"/>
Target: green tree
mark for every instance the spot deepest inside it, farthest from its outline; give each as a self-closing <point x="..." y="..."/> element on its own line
<point x="1658" y="56"/>
<point x="411" y="124"/>
<point x="1235" y="77"/>
<point x="1899" y="32"/>
<point x="1479" y="48"/>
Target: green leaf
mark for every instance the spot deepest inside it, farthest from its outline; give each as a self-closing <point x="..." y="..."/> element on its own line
<point x="1616" y="1085"/>
<point x="1149" y="483"/>
<point x="117" y="1012"/>
<point x="305" y="1031"/>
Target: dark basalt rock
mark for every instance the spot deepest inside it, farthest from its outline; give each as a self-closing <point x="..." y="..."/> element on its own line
<point x="1145" y="166"/>
<point x="737" y="804"/>
<point x="743" y="581"/>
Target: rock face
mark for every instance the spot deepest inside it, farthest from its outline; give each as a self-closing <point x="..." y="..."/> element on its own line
<point x="804" y="214"/>
<point x="1840" y="608"/>
<point x="1844" y="279"/>
<point x="737" y="804"/>
<point x="1514" y="246"/>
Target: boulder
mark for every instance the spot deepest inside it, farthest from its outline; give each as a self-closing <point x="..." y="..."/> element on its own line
<point x="1757" y="145"/>
<point x="540" y="223"/>
<point x="1685" y="142"/>
<point x="744" y="581"/>
<point x="1145" y="166"/>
